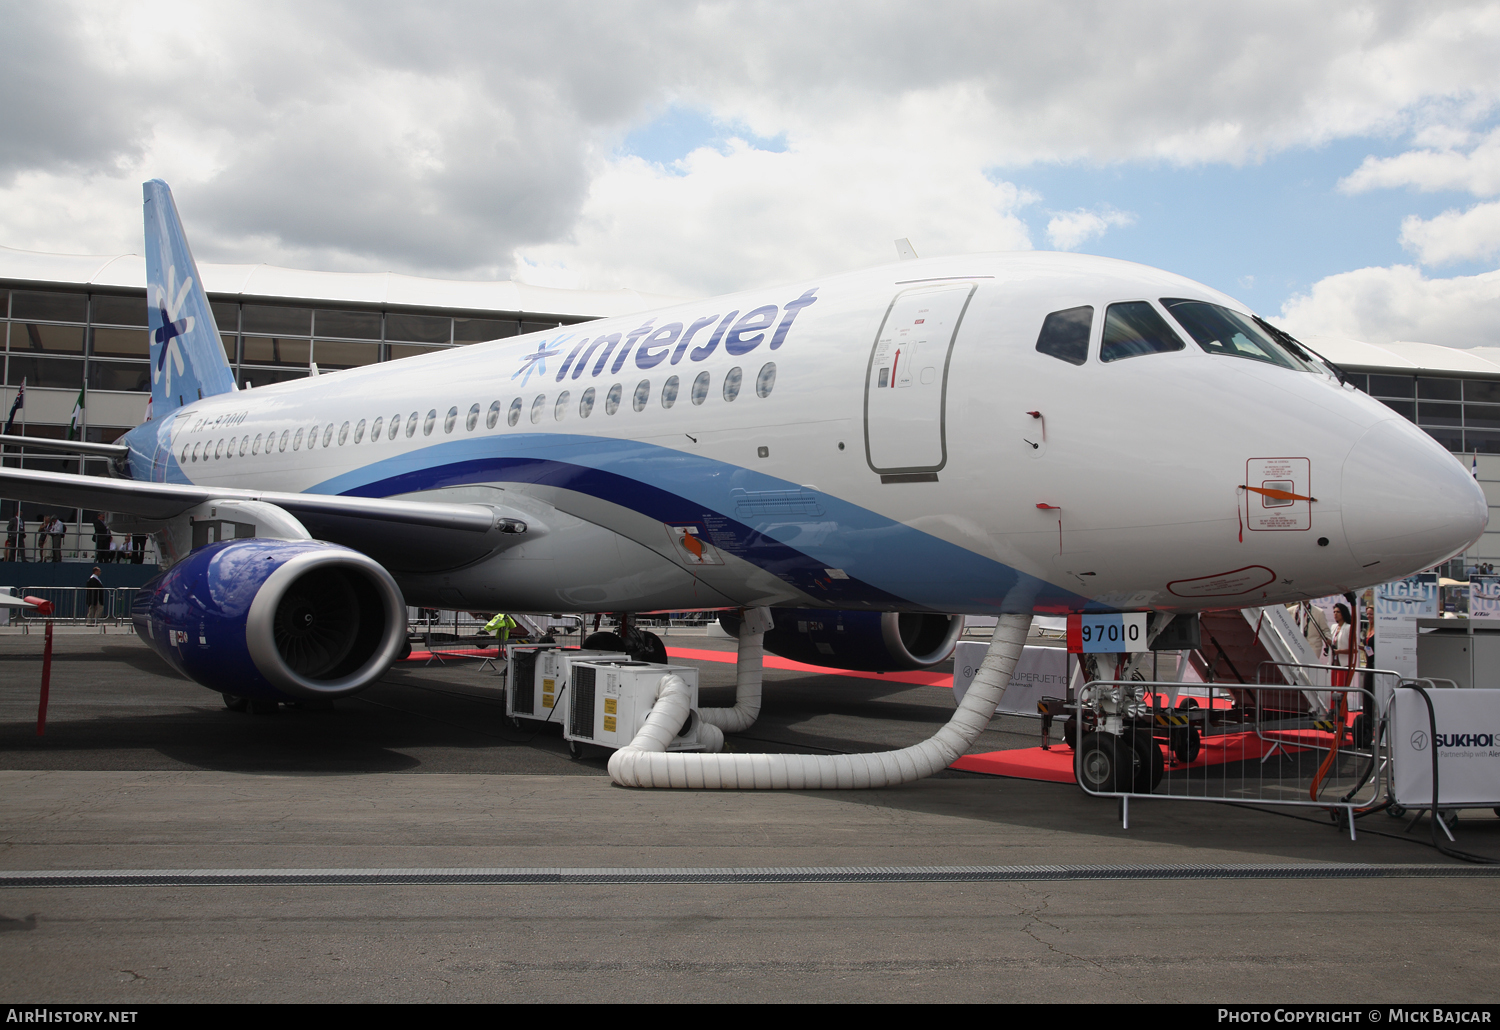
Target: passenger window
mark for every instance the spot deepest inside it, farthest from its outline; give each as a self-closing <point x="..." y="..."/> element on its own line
<point x="612" y="399"/>
<point x="411" y="425"/>
<point x="537" y="406"/>
<point x="586" y="403"/>
<point x="560" y="409"/>
<point x="286" y="434"/>
<point x="766" y="381"/>
<point x="700" y="388"/>
<point x="375" y="428"/>
<point x="430" y="421"/>
<point x="473" y="419"/>
<point x="1133" y="329"/>
<point x="1220" y="330"/>
<point x="514" y="415"/>
<point x="328" y="434"/>
<point x="451" y="420"/>
<point x="669" y="391"/>
<point x="297" y="441"/>
<point x="493" y="416"/>
<point x="390" y="434"/>
<point x="343" y="434"/>
<point x="732" y="380"/>
<point x="244" y="444"/>
<point x="642" y="394"/>
<point x="359" y="431"/>
<point x="1065" y="334"/>
<point x="255" y="447"/>
<point x="219" y="450"/>
<point x="195" y="451"/>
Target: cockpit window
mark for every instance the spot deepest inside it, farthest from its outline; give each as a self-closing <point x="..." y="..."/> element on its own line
<point x="1218" y="330"/>
<point x="1065" y="334"/>
<point x="1134" y="328"/>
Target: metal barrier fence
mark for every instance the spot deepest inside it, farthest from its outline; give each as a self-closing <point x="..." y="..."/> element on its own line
<point x="1251" y="744"/>
<point x="70" y="605"/>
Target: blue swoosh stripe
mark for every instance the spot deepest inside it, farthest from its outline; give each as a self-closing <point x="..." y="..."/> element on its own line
<point x="888" y="562"/>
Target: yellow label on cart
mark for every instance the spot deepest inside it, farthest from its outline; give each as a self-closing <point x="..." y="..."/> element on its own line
<point x="611" y="706"/>
<point x="546" y="700"/>
<point x="609" y="724"/>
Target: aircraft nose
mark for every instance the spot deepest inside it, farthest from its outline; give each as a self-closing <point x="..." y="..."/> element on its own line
<point x="1407" y="503"/>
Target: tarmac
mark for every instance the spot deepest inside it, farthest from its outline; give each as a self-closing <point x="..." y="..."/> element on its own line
<point x="658" y="895"/>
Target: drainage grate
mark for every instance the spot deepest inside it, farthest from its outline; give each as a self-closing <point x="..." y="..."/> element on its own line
<point x="775" y="874"/>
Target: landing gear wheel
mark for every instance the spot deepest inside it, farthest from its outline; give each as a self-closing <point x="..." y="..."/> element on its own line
<point x="1396" y="811"/>
<point x="575" y="750"/>
<point x="1449" y="817"/>
<point x="405" y="652"/>
<point x="1149" y="767"/>
<point x="1106" y="764"/>
<point x="1070" y="732"/>
<point x="264" y="707"/>
<point x="235" y="703"/>
<point x="1186" y="743"/>
<point x="603" y="642"/>
<point x="655" y="652"/>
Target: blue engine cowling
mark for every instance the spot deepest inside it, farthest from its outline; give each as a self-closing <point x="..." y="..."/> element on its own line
<point x="869" y="641"/>
<point x="275" y="620"/>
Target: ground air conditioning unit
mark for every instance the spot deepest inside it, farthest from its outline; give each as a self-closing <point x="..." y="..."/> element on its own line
<point x="535" y="675"/>
<point x="611" y="700"/>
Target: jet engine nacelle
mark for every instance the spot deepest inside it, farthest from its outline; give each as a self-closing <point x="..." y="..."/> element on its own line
<point x="870" y="641"/>
<point x="275" y="620"/>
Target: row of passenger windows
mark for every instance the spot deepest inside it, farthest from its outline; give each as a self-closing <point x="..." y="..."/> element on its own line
<point x="1135" y="328"/>
<point x="560" y="407"/>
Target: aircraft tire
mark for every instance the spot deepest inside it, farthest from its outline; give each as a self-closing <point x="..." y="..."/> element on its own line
<point x="603" y="642"/>
<point x="1105" y="763"/>
<point x="656" y="650"/>
<point x="405" y="652"/>
<point x="1070" y="732"/>
<point x="1153" y="766"/>
<point x="235" y="703"/>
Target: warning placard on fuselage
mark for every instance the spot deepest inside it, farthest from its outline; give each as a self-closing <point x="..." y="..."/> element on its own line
<point x="1278" y="495"/>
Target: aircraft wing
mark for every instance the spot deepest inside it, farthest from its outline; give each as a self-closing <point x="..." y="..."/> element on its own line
<point x="395" y="533"/>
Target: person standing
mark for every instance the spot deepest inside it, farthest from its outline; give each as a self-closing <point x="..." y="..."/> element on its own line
<point x="94" y="597"/>
<point x="1342" y="633"/>
<point x="102" y="538"/>
<point x="15" y="537"/>
<point x="54" y="529"/>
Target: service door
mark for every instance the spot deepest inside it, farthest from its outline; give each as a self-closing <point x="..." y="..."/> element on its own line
<point x="906" y="382"/>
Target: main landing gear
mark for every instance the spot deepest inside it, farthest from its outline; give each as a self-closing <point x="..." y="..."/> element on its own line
<point x="642" y="645"/>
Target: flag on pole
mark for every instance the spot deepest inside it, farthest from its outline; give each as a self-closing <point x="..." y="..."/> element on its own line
<point x="20" y="402"/>
<point x="75" y="424"/>
<point x="1474" y="468"/>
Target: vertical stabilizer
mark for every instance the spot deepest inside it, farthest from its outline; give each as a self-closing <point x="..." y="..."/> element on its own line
<point x="187" y="353"/>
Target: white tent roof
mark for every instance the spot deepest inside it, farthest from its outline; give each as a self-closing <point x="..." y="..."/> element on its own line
<point x="1406" y="357"/>
<point x="129" y="270"/>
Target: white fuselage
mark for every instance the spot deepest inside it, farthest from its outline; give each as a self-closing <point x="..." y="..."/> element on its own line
<point x="887" y="466"/>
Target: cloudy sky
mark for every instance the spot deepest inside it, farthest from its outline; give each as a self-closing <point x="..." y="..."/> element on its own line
<point x="1335" y="165"/>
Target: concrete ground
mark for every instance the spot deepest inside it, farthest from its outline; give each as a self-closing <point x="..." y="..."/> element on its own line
<point x="140" y="769"/>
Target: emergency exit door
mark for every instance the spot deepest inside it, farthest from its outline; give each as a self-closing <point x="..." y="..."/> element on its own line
<point x="906" y="381"/>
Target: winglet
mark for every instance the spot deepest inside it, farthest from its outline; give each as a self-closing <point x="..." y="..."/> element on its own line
<point x="187" y="353"/>
<point x="904" y="250"/>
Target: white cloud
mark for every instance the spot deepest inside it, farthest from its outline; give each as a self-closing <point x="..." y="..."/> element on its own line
<point x="1380" y="305"/>
<point x="1069" y="230"/>
<point x="1454" y="235"/>
<point x="1476" y="172"/>
<point x="448" y="138"/>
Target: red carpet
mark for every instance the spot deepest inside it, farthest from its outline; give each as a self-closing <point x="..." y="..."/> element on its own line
<point x="457" y="652"/>
<point x="925" y="679"/>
